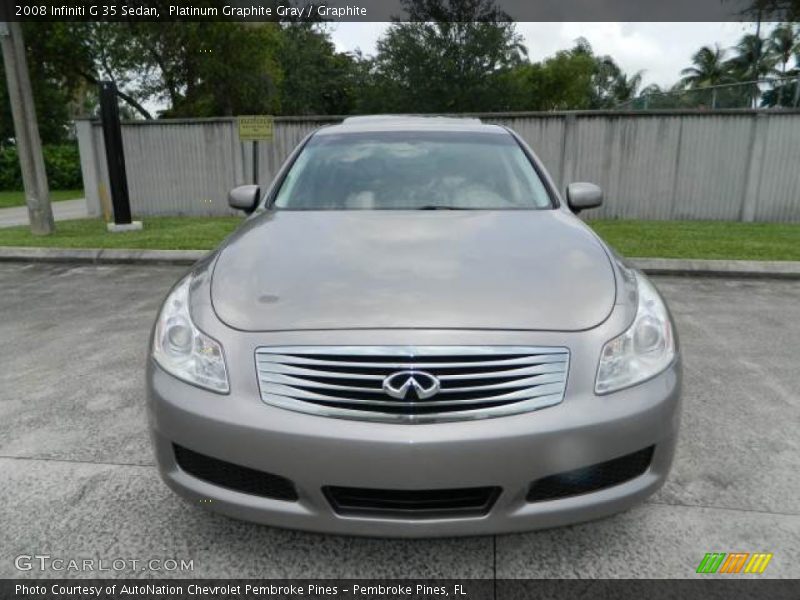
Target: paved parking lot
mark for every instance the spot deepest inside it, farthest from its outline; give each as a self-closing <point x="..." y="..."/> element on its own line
<point x="77" y="477"/>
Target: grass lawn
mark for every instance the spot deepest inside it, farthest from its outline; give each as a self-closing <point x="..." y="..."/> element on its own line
<point x="702" y="239"/>
<point x="17" y="198"/>
<point x="175" y="233"/>
<point x="666" y="239"/>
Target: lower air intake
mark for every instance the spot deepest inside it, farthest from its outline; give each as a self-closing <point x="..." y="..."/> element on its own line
<point x="591" y="479"/>
<point x="234" y="477"/>
<point x="412" y="504"/>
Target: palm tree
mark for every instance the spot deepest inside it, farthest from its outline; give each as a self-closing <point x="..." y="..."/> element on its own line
<point x="708" y="68"/>
<point x="752" y="57"/>
<point x="751" y="63"/>
<point x="783" y="42"/>
<point x="624" y="87"/>
<point x="610" y="85"/>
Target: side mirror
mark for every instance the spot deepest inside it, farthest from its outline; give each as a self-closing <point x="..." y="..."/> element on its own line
<point x="581" y="196"/>
<point x="244" y="197"/>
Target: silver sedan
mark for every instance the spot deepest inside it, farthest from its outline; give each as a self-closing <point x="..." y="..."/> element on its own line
<point x="413" y="335"/>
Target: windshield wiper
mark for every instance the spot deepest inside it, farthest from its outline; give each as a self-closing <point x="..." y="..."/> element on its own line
<point x="440" y="207"/>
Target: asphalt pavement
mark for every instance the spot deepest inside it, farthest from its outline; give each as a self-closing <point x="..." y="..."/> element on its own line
<point x="77" y="479"/>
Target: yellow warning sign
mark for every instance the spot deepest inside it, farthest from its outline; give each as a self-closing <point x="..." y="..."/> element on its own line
<point x="255" y="127"/>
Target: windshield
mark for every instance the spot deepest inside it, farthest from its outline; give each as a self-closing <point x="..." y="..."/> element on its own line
<point x="412" y="170"/>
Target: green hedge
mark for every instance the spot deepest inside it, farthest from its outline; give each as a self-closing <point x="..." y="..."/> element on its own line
<point x="62" y="163"/>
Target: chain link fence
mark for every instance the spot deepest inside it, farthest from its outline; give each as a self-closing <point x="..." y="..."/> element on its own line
<point x="777" y="92"/>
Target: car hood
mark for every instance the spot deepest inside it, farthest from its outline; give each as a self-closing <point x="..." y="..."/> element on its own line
<point x="529" y="270"/>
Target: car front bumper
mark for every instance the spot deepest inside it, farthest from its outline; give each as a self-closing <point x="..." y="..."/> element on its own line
<point x="508" y="452"/>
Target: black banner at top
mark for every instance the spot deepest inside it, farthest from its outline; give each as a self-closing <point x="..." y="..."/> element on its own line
<point x="402" y="10"/>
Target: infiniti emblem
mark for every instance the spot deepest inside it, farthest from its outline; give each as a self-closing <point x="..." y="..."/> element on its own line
<point x="398" y="384"/>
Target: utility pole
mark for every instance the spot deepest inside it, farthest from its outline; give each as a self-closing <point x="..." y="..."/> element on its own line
<point x="26" y="129"/>
<point x="757" y="66"/>
<point x="796" y="101"/>
<point x="115" y="159"/>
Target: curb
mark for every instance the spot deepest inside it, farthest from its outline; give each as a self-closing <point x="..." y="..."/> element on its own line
<point x="764" y="269"/>
<point x="100" y="256"/>
<point x="653" y="266"/>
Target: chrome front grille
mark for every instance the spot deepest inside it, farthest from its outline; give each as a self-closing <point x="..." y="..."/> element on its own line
<point x="450" y="382"/>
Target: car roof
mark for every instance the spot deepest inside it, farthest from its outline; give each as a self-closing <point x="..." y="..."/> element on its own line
<point x="410" y="123"/>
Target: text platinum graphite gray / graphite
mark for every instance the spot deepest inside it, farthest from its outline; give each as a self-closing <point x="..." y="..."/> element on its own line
<point x="242" y="12"/>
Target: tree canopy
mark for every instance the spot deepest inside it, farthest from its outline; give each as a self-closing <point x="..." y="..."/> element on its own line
<point x="454" y="56"/>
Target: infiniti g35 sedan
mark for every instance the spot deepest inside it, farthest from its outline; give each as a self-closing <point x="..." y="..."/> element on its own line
<point x="413" y="335"/>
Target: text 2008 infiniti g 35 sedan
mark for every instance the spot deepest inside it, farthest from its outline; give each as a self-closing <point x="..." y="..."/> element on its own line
<point x="413" y="335"/>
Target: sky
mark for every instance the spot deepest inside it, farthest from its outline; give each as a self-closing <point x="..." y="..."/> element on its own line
<point x="660" y="50"/>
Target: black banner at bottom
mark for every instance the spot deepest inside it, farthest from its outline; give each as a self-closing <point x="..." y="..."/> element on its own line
<point x="712" y="588"/>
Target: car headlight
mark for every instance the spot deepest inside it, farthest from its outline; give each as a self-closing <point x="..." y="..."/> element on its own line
<point x="182" y="349"/>
<point x="645" y="349"/>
